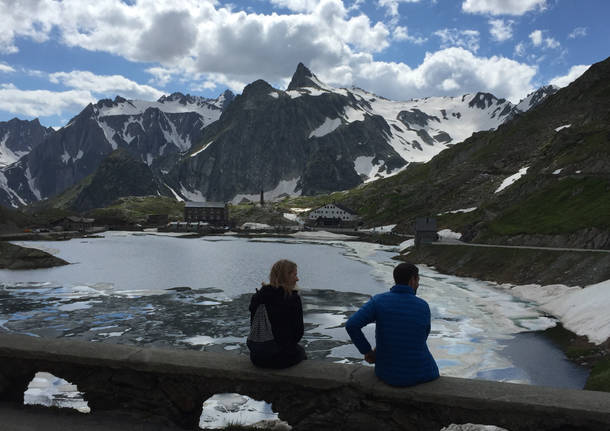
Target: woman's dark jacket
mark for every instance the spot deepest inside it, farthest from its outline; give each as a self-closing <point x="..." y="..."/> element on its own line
<point x="285" y="313"/>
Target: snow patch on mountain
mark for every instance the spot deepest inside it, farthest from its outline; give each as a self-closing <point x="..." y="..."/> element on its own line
<point x="32" y="184"/>
<point x="195" y="196"/>
<point x="458" y="211"/>
<point x="176" y="195"/>
<point x="364" y="166"/>
<point x="513" y="178"/>
<point x="172" y="135"/>
<point x="10" y="192"/>
<point x="284" y="188"/>
<point x="8" y="156"/>
<point x="202" y="148"/>
<point x="562" y="127"/>
<point x="325" y="128"/>
<point x="352" y="114"/>
<point x="431" y="124"/>
<point x="109" y="133"/>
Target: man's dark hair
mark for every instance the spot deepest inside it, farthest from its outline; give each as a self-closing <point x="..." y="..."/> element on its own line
<point x="404" y="272"/>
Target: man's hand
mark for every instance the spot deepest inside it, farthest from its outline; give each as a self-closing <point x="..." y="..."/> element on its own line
<point x="370" y="356"/>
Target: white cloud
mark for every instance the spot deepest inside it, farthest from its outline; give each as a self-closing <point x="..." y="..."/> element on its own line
<point x="297" y="5"/>
<point x="520" y="49"/>
<point x="105" y="84"/>
<point x="392" y="5"/>
<point x="37" y="103"/>
<point x="161" y="75"/>
<point x="216" y="46"/>
<point x="536" y="37"/>
<point x="17" y="20"/>
<point x="5" y="68"/>
<point x="502" y="7"/>
<point x="450" y="72"/>
<point x="401" y="33"/>
<point x="501" y="30"/>
<point x="453" y="37"/>
<point x="578" y="32"/>
<point x="575" y="72"/>
<point x="551" y="43"/>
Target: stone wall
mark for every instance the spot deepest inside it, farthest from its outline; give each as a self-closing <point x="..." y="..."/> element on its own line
<point x="314" y="395"/>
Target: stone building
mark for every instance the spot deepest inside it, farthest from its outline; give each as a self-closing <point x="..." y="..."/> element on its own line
<point x="72" y="223"/>
<point x="216" y="213"/>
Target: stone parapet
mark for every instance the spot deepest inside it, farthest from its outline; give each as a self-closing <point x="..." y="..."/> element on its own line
<point x="314" y="395"/>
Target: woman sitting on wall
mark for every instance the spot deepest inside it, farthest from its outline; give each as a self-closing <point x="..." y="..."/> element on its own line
<point x="276" y="320"/>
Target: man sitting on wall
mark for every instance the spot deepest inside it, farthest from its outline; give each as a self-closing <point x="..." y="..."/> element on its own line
<point x="402" y="321"/>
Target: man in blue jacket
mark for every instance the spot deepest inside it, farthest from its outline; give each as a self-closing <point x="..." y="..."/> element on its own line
<point x="402" y="321"/>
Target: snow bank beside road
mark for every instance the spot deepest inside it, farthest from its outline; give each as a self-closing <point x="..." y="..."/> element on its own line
<point x="582" y="311"/>
<point x="321" y="234"/>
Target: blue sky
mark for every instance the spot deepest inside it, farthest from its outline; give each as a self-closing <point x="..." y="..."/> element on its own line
<point x="58" y="56"/>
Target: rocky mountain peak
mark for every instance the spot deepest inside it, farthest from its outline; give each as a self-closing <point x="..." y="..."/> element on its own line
<point x="225" y="99"/>
<point x="303" y="78"/>
<point x="181" y="98"/>
<point x="541" y="93"/>
<point x="257" y="88"/>
<point x="483" y="100"/>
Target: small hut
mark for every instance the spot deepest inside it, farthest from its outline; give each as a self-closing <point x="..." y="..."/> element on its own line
<point x="425" y="230"/>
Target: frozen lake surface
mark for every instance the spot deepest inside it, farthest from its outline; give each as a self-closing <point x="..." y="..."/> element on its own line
<point x="194" y="293"/>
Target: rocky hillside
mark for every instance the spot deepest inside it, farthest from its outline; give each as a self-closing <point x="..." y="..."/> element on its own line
<point x="542" y="178"/>
<point x="118" y="175"/>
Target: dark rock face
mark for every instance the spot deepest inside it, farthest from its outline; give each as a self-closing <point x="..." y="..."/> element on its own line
<point x="19" y="137"/>
<point x="16" y="257"/>
<point x="118" y="175"/>
<point x="541" y="94"/>
<point x="302" y="78"/>
<point x="262" y="140"/>
<point x="415" y="116"/>
<point x="484" y="100"/>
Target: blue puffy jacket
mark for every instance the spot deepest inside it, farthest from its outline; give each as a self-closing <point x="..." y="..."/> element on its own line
<point x="402" y="327"/>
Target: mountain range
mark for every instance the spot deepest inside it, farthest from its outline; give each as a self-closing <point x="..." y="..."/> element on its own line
<point x="308" y="139"/>
<point x="542" y="178"/>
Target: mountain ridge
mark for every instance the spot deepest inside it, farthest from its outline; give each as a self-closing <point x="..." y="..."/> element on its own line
<point x="329" y="139"/>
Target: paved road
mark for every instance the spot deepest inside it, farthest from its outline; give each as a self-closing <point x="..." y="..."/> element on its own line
<point x="456" y="242"/>
<point x="29" y="418"/>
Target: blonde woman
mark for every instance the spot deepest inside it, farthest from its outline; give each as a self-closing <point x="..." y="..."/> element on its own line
<point x="276" y="319"/>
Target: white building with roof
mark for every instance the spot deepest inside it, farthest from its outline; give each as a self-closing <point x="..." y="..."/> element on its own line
<point x="334" y="211"/>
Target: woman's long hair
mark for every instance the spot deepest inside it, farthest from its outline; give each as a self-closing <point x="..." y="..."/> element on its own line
<point x="280" y="271"/>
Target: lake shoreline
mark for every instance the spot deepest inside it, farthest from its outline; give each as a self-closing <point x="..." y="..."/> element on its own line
<point x="528" y="266"/>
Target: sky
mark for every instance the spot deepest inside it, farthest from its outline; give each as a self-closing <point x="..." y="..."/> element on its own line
<point x="58" y="56"/>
